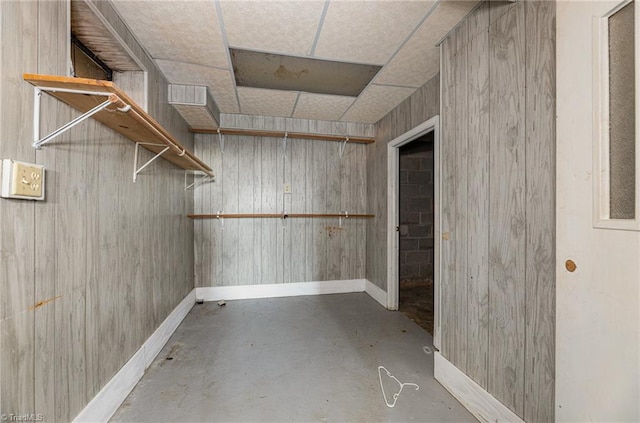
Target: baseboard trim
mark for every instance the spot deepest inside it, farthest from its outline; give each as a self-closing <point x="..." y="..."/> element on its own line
<point x="246" y="292"/>
<point x="484" y="406"/>
<point x="376" y="293"/>
<point x="104" y="405"/>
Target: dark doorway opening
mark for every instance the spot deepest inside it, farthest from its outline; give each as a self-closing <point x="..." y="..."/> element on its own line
<point x="416" y="261"/>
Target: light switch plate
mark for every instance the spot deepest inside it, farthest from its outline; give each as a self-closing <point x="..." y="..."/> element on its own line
<point x="22" y="180"/>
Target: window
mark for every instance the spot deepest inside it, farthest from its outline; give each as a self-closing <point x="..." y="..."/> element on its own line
<point x="616" y="152"/>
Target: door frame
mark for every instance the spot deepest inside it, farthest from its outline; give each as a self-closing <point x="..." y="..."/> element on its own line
<point x="393" y="217"/>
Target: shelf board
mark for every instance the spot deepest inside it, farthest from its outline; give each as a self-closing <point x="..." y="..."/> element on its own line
<point x="135" y="124"/>
<point x="280" y="134"/>
<point x="276" y="215"/>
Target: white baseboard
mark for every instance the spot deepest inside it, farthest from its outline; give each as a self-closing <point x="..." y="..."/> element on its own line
<point x="245" y="292"/>
<point x="104" y="405"/>
<point x="376" y="293"/>
<point x="472" y="396"/>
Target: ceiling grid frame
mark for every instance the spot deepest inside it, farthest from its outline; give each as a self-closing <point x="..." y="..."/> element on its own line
<point x="320" y="12"/>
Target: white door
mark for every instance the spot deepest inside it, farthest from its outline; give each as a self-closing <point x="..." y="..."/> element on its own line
<point x="598" y="242"/>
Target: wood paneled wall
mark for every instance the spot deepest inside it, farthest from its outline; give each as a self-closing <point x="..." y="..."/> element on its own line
<point x="498" y="196"/>
<point x="421" y="106"/>
<point x="89" y="274"/>
<point x="250" y="175"/>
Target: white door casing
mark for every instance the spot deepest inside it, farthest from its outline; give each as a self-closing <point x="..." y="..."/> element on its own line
<point x="598" y="304"/>
<point x="393" y="157"/>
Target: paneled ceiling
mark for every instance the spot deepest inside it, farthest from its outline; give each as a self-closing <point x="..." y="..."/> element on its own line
<point x="190" y="40"/>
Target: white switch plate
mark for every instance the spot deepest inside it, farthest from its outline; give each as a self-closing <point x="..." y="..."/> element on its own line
<point x="287" y="188"/>
<point x="22" y="180"/>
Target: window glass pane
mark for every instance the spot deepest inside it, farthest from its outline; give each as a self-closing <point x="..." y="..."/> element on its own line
<point x="622" y="114"/>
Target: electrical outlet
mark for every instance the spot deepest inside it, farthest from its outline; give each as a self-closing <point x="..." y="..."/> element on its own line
<point x="22" y="180"/>
<point x="287" y="188"/>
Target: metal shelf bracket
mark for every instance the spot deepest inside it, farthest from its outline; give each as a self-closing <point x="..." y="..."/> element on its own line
<point x="39" y="142"/>
<point x="195" y="184"/>
<point x="284" y="145"/>
<point x="137" y="170"/>
<point x="220" y="218"/>
<point x="343" y="146"/>
<point x="221" y="141"/>
<point x="342" y="219"/>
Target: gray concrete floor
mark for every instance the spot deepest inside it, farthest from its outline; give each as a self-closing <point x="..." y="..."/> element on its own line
<point x="301" y="359"/>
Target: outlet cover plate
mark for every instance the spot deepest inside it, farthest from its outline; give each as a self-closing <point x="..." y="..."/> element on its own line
<point x="22" y="180"/>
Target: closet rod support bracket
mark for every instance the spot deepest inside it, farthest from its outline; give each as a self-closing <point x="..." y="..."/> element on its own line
<point x="343" y="218"/>
<point x="137" y="170"/>
<point x="220" y="218"/>
<point x="343" y="146"/>
<point x="205" y="178"/>
<point x="37" y="142"/>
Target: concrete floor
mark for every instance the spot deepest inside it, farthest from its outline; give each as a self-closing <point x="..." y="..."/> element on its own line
<point x="300" y="359"/>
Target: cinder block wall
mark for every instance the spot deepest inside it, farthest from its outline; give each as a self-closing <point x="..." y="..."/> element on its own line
<point x="416" y="212"/>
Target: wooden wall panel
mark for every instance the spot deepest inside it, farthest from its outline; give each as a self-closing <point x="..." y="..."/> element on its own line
<point x="102" y="261"/>
<point x="504" y="200"/>
<point x="507" y="210"/>
<point x="422" y="105"/>
<point x="296" y="250"/>
<point x="52" y="38"/>
<point x="17" y="283"/>
<point x="461" y="193"/>
<point x="478" y="206"/>
<point x="448" y="197"/>
<point x="540" y="231"/>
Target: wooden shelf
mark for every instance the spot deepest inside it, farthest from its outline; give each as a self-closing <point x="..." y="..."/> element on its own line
<point x="276" y="216"/>
<point x="290" y="135"/>
<point x="132" y="122"/>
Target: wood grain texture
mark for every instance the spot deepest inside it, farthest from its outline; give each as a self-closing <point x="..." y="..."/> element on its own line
<point x="17" y="283"/>
<point x="448" y="205"/>
<point x="422" y="105"/>
<point x="52" y="40"/>
<point x="539" y="375"/>
<point x="507" y="242"/>
<point x="306" y="246"/>
<point x="461" y="194"/>
<point x="478" y="207"/>
<point x="509" y="210"/>
<point x="105" y="274"/>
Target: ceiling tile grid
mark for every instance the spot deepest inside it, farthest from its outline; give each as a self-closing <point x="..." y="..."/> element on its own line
<point x="183" y="31"/>
<point x="275" y="26"/>
<point x="368" y="32"/>
<point x="258" y="101"/>
<point x="321" y="107"/>
<point x="375" y="102"/>
<point x="190" y="41"/>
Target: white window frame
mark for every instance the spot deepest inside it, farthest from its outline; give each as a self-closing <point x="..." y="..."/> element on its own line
<point x="600" y="175"/>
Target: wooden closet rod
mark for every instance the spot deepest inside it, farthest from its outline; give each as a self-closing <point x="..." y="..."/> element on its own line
<point x="279" y="216"/>
<point x="280" y="134"/>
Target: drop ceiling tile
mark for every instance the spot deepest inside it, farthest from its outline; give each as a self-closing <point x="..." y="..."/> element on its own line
<point x="257" y="101"/>
<point x="321" y="107"/>
<point x="375" y="102"/>
<point x="219" y="81"/>
<point x="275" y="26"/>
<point x="419" y="59"/>
<point x="185" y="31"/>
<point x="368" y="31"/>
